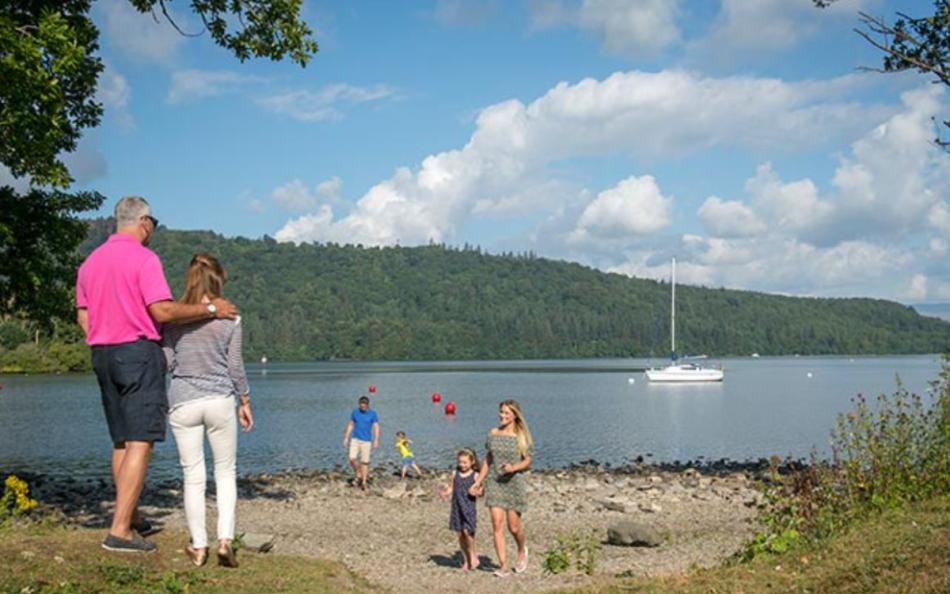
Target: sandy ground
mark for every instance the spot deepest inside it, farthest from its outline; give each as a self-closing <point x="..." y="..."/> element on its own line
<point x="396" y="533"/>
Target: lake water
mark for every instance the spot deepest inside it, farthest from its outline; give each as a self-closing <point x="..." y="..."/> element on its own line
<point x="577" y="410"/>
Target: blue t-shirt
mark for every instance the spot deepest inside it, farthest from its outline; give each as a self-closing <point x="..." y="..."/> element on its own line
<point x="363" y="424"/>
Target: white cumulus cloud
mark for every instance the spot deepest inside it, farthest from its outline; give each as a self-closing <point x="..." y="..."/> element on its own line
<point x="644" y="114"/>
<point x="729" y="218"/>
<point x="634" y="206"/>
<point x="626" y="27"/>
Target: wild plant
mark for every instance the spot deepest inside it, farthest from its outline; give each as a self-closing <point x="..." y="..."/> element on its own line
<point x="884" y="455"/>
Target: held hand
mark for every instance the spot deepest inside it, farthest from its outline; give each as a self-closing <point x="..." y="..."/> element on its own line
<point x="225" y="309"/>
<point x="245" y="417"/>
<point x="475" y="490"/>
<point x="444" y="492"/>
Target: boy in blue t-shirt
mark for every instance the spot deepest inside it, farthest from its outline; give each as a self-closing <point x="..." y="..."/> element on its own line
<point x="364" y="429"/>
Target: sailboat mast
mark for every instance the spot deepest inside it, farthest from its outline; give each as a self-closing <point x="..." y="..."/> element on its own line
<point x="673" y="311"/>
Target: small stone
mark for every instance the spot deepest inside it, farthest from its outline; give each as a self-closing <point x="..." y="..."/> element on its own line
<point x="257" y="542"/>
<point x="59" y="559"/>
<point x="27" y="554"/>
<point x="650" y="507"/>
<point x="655" y="479"/>
<point x="613" y="505"/>
<point x="395" y="492"/>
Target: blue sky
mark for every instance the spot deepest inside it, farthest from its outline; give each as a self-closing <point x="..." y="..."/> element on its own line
<point x="737" y="135"/>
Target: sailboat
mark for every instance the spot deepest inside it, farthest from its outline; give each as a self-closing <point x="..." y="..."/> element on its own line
<point x="677" y="371"/>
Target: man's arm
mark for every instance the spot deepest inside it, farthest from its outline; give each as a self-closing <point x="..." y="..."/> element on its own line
<point x="376" y="434"/>
<point x="82" y="318"/>
<point x="346" y="434"/>
<point x="172" y="311"/>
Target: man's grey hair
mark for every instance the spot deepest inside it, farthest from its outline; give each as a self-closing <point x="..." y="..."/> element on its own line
<point x="130" y="210"/>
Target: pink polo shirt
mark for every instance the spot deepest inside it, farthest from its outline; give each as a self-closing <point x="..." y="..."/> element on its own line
<point x="116" y="284"/>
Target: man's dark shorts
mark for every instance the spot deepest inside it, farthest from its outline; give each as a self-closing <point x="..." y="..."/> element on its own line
<point x="132" y="381"/>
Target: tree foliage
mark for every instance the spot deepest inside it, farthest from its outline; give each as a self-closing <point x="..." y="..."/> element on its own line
<point x="249" y="28"/>
<point x="329" y="301"/>
<point x="39" y="233"/>
<point x="911" y="43"/>
<point x="49" y="70"/>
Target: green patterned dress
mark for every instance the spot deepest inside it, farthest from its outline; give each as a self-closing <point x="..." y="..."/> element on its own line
<point x="507" y="491"/>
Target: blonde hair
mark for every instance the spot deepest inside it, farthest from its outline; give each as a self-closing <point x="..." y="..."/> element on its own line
<point x="525" y="441"/>
<point x="205" y="277"/>
<point x="471" y="455"/>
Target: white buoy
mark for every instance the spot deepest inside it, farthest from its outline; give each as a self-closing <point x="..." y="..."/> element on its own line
<point x="631" y="380"/>
<point x="264" y="360"/>
<point x="808" y="374"/>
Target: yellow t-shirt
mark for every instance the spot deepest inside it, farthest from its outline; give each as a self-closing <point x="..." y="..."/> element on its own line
<point x="403" y="447"/>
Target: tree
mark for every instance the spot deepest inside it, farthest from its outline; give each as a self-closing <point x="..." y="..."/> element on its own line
<point x="911" y="43"/>
<point x="49" y="68"/>
<point x="39" y="234"/>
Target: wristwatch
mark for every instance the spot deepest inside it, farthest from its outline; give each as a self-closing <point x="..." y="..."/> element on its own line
<point x="212" y="309"/>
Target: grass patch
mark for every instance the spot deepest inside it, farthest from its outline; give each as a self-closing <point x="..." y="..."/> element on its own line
<point x="900" y="550"/>
<point x="41" y="559"/>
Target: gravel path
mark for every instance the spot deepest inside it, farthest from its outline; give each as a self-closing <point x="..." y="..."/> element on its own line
<point x="396" y="534"/>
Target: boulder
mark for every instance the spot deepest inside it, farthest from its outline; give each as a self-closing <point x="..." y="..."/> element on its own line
<point x="632" y="534"/>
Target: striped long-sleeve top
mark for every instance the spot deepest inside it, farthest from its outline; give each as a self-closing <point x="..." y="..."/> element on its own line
<point x="204" y="360"/>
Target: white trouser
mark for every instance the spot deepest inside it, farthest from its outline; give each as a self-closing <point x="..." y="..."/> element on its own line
<point x="189" y="423"/>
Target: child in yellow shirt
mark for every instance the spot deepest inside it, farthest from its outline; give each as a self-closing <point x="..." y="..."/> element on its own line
<point x="408" y="460"/>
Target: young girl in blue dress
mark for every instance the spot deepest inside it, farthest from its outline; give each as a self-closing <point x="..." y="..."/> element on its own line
<point x="463" y="516"/>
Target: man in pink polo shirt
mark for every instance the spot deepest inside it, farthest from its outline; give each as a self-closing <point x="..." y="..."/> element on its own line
<point x="122" y="299"/>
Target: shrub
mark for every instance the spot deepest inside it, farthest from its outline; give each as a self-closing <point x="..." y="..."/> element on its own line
<point x="883" y="456"/>
<point x="572" y="548"/>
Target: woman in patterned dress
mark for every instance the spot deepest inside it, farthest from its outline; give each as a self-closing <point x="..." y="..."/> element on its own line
<point x="509" y="454"/>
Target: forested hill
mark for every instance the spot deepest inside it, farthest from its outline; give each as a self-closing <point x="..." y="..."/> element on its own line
<point x="330" y="301"/>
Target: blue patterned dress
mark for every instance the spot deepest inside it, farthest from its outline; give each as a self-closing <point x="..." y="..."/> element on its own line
<point x="463" y="515"/>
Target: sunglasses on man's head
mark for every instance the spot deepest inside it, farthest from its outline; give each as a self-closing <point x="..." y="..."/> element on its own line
<point x="152" y="219"/>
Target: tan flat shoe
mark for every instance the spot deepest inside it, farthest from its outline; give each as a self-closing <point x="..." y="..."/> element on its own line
<point x="197" y="556"/>
<point x="226" y="557"/>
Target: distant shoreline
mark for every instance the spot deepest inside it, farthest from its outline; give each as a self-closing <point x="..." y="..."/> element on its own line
<point x="637" y="364"/>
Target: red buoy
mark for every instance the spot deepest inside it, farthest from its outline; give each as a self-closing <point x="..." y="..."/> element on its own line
<point x="436" y="397"/>
<point x="372" y="388"/>
<point x="450" y="408"/>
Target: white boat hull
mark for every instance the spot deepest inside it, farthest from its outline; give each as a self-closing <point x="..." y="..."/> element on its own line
<point x="682" y="374"/>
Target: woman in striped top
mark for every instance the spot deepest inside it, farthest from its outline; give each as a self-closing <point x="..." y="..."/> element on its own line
<point x="204" y="360"/>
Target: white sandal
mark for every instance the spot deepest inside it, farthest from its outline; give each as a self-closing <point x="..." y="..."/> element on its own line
<point x="522" y="566"/>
